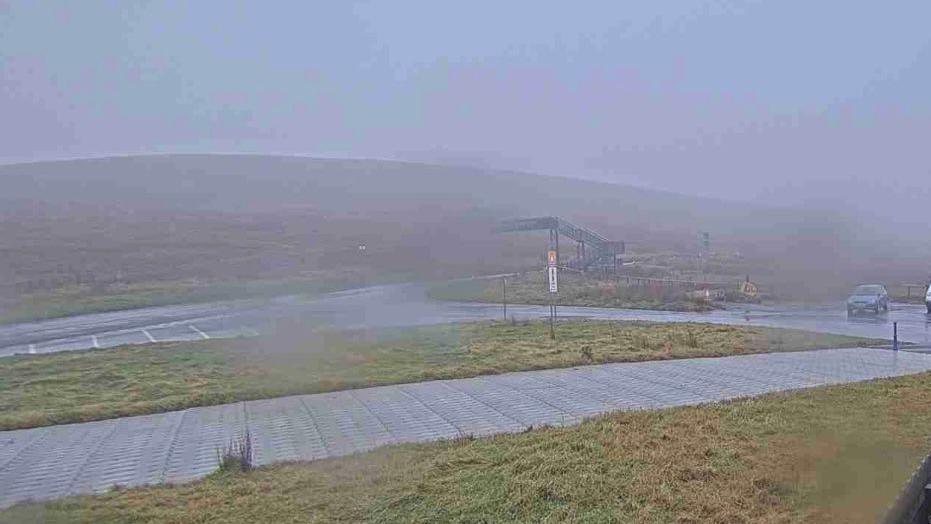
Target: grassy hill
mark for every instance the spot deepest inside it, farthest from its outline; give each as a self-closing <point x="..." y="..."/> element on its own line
<point x="195" y="219"/>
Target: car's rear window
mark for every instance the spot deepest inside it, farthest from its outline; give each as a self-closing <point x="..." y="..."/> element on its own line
<point x="868" y="290"/>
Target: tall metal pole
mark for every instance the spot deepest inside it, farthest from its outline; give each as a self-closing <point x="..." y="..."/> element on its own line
<point x="504" y="281"/>
<point x="552" y="264"/>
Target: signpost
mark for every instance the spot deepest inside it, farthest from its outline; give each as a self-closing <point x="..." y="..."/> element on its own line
<point x="554" y="288"/>
<point x="504" y="281"/>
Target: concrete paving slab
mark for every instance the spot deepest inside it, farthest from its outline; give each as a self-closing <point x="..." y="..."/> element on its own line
<point x="45" y="463"/>
<point x="283" y="430"/>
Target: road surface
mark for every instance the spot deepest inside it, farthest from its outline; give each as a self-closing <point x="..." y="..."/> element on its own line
<point x="51" y="462"/>
<point x="405" y="304"/>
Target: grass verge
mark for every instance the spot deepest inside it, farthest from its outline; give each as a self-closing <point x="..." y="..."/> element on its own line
<point x="833" y="454"/>
<point x="80" y="300"/>
<point x="40" y="390"/>
<point x="574" y="290"/>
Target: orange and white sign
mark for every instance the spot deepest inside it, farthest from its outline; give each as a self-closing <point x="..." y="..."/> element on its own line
<point x="551" y="269"/>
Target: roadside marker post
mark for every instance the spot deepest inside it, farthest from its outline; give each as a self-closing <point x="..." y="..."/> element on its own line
<point x="551" y="259"/>
<point x="895" y="336"/>
<point x="504" y="282"/>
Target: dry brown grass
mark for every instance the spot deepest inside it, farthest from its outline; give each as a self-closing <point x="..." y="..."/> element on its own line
<point x="574" y="290"/>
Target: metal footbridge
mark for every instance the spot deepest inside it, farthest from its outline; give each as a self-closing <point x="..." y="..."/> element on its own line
<point x="592" y="249"/>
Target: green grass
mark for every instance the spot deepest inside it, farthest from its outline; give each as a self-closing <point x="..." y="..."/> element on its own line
<point x="77" y="300"/>
<point x="40" y="390"/>
<point x="574" y="290"/>
<point x="833" y="454"/>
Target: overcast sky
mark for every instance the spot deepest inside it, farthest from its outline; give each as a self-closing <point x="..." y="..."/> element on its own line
<point x="783" y="101"/>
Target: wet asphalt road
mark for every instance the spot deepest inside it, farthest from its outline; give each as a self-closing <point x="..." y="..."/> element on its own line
<point x="49" y="462"/>
<point x="403" y="305"/>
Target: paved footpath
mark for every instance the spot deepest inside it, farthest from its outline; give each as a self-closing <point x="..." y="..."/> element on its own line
<point x="51" y="462"/>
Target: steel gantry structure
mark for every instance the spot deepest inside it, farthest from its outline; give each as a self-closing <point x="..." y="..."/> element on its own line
<point x="592" y="249"/>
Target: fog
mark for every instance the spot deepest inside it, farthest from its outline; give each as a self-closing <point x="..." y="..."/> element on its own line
<point x="747" y="100"/>
<point x="801" y="127"/>
<point x="263" y="232"/>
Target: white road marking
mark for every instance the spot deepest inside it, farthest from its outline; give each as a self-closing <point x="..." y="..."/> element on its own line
<point x="32" y="349"/>
<point x="149" y="336"/>
<point x="199" y="332"/>
<point x="94" y="342"/>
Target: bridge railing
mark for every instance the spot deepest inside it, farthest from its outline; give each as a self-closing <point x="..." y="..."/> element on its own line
<point x="598" y="249"/>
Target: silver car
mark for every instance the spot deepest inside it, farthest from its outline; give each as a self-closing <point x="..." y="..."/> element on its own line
<point x="868" y="297"/>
